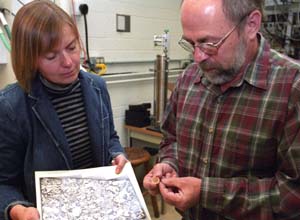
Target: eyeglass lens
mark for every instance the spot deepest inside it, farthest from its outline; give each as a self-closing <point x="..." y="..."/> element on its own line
<point x="205" y="47"/>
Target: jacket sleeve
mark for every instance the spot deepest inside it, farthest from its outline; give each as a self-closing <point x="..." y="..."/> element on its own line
<point x="115" y="147"/>
<point x="11" y="157"/>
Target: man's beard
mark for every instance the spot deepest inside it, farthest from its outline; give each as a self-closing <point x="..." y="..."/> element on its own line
<point x="217" y="74"/>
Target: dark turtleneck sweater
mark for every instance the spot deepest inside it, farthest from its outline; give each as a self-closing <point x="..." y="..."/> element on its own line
<point x="68" y="103"/>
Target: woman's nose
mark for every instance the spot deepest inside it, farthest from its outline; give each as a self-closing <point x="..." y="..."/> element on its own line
<point x="66" y="59"/>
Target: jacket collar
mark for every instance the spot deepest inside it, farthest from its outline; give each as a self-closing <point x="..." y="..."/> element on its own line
<point x="42" y="107"/>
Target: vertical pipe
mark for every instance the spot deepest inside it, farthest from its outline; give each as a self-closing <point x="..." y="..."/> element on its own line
<point x="160" y="88"/>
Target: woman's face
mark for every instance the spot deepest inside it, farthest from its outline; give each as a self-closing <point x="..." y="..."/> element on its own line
<point x="62" y="64"/>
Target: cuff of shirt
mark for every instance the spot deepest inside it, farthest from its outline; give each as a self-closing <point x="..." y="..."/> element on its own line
<point x="9" y="207"/>
<point x="212" y="194"/>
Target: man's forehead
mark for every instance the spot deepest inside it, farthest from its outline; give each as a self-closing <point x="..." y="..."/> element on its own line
<point x="207" y="8"/>
<point x="210" y="10"/>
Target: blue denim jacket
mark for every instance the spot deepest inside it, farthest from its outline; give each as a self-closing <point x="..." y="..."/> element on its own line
<point x="32" y="139"/>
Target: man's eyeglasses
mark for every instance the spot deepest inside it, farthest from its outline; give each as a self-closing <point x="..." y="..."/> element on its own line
<point x="208" y="48"/>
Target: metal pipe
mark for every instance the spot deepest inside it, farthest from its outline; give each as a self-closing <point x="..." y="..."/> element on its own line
<point x="133" y="80"/>
<point x="109" y="75"/>
<point x="129" y="80"/>
<point x="160" y="87"/>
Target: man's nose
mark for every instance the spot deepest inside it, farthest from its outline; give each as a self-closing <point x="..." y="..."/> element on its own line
<point x="199" y="55"/>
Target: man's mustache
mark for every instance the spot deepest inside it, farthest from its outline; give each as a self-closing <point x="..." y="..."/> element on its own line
<point x="206" y="65"/>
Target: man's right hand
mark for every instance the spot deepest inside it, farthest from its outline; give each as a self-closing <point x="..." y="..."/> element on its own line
<point x="160" y="170"/>
<point x="19" y="212"/>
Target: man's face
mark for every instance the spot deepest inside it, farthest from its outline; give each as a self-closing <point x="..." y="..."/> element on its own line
<point x="203" y="21"/>
<point x="217" y="73"/>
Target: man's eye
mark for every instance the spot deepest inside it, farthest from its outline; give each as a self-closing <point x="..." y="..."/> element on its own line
<point x="191" y="43"/>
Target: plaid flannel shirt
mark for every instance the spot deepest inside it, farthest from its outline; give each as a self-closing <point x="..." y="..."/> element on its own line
<point x="244" y="142"/>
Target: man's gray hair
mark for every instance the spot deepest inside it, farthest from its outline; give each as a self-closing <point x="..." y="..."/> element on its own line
<point x="235" y="10"/>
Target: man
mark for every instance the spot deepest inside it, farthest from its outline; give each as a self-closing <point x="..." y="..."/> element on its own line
<point x="231" y="146"/>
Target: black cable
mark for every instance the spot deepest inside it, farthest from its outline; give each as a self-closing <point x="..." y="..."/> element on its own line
<point x="86" y="39"/>
<point x="5" y="9"/>
<point x="83" y="8"/>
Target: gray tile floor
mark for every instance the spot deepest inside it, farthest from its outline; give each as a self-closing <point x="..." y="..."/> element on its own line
<point x="169" y="211"/>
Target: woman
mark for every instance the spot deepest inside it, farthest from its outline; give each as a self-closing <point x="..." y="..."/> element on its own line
<point x="56" y="117"/>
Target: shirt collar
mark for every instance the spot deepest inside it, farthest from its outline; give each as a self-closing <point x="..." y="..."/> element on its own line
<point x="257" y="72"/>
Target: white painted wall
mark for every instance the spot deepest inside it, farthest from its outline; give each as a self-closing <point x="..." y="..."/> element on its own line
<point x="123" y="52"/>
<point x="148" y="18"/>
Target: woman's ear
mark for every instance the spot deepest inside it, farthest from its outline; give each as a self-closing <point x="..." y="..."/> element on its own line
<point x="253" y="24"/>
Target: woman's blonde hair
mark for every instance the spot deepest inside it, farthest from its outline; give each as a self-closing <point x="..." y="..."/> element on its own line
<point x="37" y="29"/>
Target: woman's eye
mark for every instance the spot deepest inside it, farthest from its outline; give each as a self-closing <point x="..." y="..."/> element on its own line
<point x="72" y="48"/>
<point x="50" y="57"/>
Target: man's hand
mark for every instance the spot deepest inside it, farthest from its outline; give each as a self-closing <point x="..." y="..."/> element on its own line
<point x="120" y="162"/>
<point x="19" y="212"/>
<point x="182" y="193"/>
<point x="153" y="179"/>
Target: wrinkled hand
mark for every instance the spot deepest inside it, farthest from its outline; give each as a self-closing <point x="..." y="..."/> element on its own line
<point x="120" y="162"/>
<point x="160" y="170"/>
<point x="181" y="192"/>
<point x="19" y="212"/>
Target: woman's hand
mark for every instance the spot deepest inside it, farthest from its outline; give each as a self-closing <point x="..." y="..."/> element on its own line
<point x="120" y="162"/>
<point x="19" y="212"/>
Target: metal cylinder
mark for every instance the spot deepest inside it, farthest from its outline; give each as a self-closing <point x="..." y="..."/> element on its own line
<point x="160" y="87"/>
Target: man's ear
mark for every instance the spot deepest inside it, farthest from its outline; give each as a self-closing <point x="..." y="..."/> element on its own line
<point x="253" y="24"/>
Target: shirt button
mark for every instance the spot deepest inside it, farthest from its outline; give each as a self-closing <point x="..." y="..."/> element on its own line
<point x="219" y="100"/>
<point x="205" y="81"/>
<point x="205" y="160"/>
<point x="211" y="130"/>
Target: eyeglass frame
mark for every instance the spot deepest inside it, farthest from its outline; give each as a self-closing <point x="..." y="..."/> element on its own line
<point x="206" y="46"/>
